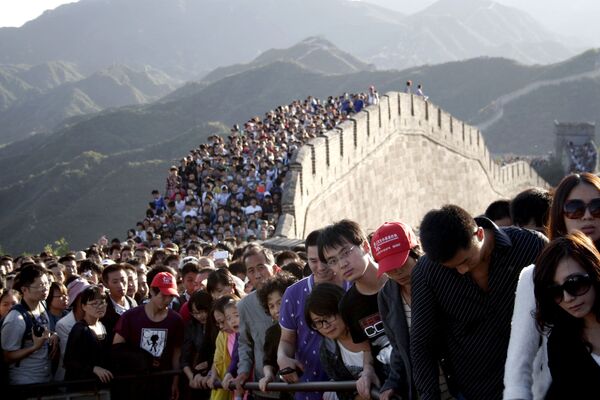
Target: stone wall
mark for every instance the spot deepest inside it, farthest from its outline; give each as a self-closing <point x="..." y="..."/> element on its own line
<point x="394" y="161"/>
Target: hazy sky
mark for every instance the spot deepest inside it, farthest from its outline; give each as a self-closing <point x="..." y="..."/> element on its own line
<point x="575" y="18"/>
<point x="17" y="12"/>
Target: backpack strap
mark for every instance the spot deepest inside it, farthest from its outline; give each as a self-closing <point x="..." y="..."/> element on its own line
<point x="28" y="318"/>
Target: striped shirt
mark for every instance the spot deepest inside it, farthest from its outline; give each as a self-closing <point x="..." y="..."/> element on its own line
<point x="464" y="327"/>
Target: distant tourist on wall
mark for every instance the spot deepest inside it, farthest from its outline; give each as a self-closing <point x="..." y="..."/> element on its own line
<point x="420" y="92"/>
<point x="408" y="89"/>
<point x="373" y="97"/>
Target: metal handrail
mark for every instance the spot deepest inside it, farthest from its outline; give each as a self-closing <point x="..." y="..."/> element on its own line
<point x="94" y="384"/>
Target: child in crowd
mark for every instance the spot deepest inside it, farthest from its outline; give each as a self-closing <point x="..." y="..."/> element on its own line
<point x="8" y="299"/>
<point x="270" y="295"/>
<point x="232" y="318"/>
<point x="223" y="350"/>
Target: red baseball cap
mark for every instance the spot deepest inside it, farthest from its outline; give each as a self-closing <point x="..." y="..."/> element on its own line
<point x="166" y="283"/>
<point x="391" y="244"/>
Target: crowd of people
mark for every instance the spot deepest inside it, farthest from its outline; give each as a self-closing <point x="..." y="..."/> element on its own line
<point x="229" y="189"/>
<point x="501" y="305"/>
<point x="582" y="158"/>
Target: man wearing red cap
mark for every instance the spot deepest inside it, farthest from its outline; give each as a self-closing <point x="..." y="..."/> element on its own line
<point x="158" y="331"/>
<point x="396" y="249"/>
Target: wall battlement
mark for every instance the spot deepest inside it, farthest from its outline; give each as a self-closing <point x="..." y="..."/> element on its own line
<point x="394" y="161"/>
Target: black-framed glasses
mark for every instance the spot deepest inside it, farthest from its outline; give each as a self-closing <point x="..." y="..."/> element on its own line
<point x="323" y="323"/>
<point x="575" y="285"/>
<point x="575" y="209"/>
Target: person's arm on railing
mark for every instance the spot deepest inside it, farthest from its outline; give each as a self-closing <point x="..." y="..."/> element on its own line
<point x="285" y="355"/>
<point x="368" y="378"/>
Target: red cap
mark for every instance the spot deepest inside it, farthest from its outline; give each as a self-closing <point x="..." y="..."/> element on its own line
<point x="391" y="244"/>
<point x="166" y="283"/>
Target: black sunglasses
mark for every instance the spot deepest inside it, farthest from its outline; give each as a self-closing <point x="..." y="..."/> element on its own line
<point x="575" y="285"/>
<point x="575" y="209"/>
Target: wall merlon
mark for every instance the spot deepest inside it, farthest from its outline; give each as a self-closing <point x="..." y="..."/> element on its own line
<point x="319" y="157"/>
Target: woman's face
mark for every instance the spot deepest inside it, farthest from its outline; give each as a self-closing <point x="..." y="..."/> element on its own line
<point x="220" y="291"/>
<point x="6" y="304"/>
<point x="332" y="326"/>
<point x="587" y="223"/>
<point x="95" y="308"/>
<point x="578" y="306"/>
<point x="199" y="315"/>
<point x="60" y="301"/>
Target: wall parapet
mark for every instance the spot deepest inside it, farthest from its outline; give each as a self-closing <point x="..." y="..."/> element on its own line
<point x="401" y="128"/>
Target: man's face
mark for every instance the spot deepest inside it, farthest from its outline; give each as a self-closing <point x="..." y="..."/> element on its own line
<point x="117" y="284"/>
<point x="321" y="271"/>
<point x="162" y="301"/>
<point x="469" y="259"/>
<point x="132" y="283"/>
<point x="189" y="282"/>
<point x="70" y="267"/>
<point x="351" y="260"/>
<point x="401" y="275"/>
<point x="142" y="256"/>
<point x="115" y="255"/>
<point x="258" y="270"/>
<point x="59" y="275"/>
<point x="38" y="289"/>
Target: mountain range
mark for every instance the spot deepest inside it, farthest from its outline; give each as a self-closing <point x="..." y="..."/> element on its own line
<point x="98" y="170"/>
<point x="94" y="80"/>
<point x="188" y="38"/>
<point x="37" y="98"/>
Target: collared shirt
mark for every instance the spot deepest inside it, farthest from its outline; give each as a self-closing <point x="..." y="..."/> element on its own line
<point x="464" y="327"/>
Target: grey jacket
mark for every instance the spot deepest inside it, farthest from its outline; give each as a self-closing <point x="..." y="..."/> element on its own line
<point x="396" y="328"/>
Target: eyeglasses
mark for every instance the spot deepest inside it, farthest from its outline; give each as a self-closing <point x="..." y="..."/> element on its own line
<point x="575" y="209"/>
<point x="40" y="286"/>
<point x="575" y="285"/>
<point x="342" y="255"/>
<point x="323" y="323"/>
<point x="97" y="304"/>
<point x="60" y="296"/>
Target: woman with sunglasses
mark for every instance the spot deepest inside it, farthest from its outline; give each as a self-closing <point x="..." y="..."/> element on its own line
<point x="567" y="283"/>
<point x="575" y="207"/>
<point x="342" y="359"/>
<point x="87" y="350"/>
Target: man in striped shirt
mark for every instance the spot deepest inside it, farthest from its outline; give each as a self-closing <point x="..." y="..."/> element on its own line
<point x="463" y="296"/>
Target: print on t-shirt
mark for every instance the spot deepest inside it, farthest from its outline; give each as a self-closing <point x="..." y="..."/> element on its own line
<point x="154" y="341"/>
<point x="371" y="325"/>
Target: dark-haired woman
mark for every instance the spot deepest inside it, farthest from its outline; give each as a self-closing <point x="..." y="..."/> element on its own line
<point x="87" y="350"/>
<point x="567" y="283"/>
<point x="342" y="359"/>
<point x="198" y="342"/>
<point x="575" y="207"/>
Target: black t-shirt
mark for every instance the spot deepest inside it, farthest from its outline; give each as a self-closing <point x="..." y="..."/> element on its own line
<point x="361" y="313"/>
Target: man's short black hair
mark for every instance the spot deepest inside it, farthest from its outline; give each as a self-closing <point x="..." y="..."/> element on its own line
<point x="498" y="210"/>
<point x="338" y="234"/>
<point x="445" y="231"/>
<point x="312" y="238"/>
<point x="531" y="204"/>
<point x="27" y="275"/>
